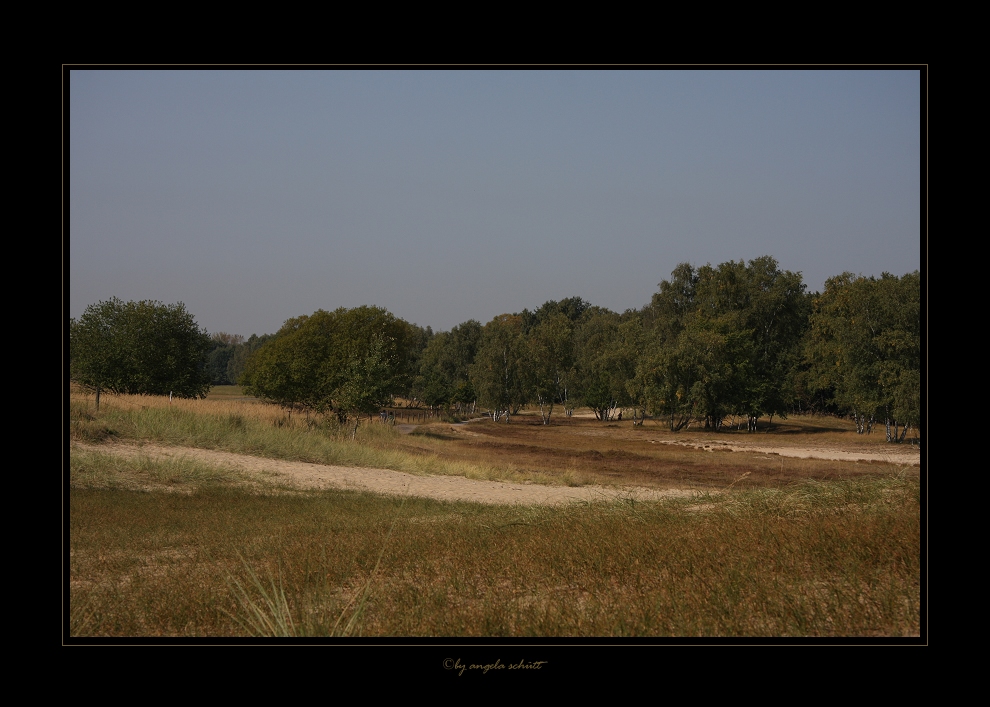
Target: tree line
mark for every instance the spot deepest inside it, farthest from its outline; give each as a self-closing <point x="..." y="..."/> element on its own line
<point x="731" y="343"/>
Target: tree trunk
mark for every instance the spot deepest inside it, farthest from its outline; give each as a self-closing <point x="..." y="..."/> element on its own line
<point x="548" y="407"/>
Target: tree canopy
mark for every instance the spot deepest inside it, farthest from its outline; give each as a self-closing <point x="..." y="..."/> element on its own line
<point x="444" y="367"/>
<point x="722" y="341"/>
<point x="605" y="361"/>
<point x="550" y="362"/>
<point x="145" y="348"/>
<point x="864" y="348"/>
<point x="498" y="370"/>
<point x="341" y="362"/>
<point x="738" y="339"/>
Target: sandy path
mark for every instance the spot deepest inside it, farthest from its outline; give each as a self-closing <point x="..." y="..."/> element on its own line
<point x="903" y="455"/>
<point x="395" y="483"/>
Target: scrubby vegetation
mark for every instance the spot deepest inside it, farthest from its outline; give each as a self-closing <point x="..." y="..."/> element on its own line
<point x="767" y="545"/>
<point x="178" y="548"/>
<point x="835" y="559"/>
<point x="740" y="340"/>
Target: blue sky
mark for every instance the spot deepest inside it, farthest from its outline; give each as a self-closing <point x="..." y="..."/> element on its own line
<point x="445" y="196"/>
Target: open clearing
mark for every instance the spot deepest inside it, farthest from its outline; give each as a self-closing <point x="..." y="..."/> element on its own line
<point x="303" y="475"/>
<point x="573" y="459"/>
<point x="227" y="519"/>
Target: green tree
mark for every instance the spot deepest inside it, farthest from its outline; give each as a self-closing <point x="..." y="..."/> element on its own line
<point x="444" y="369"/>
<point x="775" y="311"/>
<point x="144" y="348"/>
<point x="435" y="381"/>
<point x="550" y="362"/>
<point x="605" y="361"/>
<point x="899" y="346"/>
<point x="419" y="340"/>
<point x="242" y="351"/>
<point x="222" y="349"/>
<point x="342" y="362"/>
<point x="703" y="374"/>
<point x="864" y="348"/>
<point x="667" y="377"/>
<point x="664" y="317"/>
<point x="572" y="308"/>
<point x="278" y="371"/>
<point x="723" y="340"/>
<point x="498" y="370"/>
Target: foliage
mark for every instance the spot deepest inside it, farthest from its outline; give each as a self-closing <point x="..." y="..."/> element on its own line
<point x="498" y="370"/>
<point x="145" y="348"/>
<point x="550" y="361"/>
<point x="702" y="376"/>
<point x="242" y="352"/>
<point x="341" y="362"/>
<point x="605" y="355"/>
<point x="444" y="367"/>
<point x="722" y="340"/>
<point x="864" y="347"/>
<point x="222" y="349"/>
<point x="419" y="340"/>
<point x="776" y="312"/>
<point x="572" y="308"/>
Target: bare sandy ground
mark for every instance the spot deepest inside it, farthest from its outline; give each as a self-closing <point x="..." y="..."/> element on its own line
<point x="899" y="455"/>
<point x="304" y="475"/>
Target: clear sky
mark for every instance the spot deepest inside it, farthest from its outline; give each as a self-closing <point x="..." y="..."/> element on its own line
<point x="443" y="196"/>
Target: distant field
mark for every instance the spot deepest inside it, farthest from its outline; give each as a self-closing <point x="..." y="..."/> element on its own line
<point x="225" y="391"/>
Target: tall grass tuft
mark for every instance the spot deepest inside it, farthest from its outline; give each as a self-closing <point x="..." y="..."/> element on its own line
<point x="270" y="614"/>
<point x="269" y="617"/>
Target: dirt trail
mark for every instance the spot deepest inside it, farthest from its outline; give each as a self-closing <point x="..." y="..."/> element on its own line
<point x="395" y="483"/>
<point x="904" y="455"/>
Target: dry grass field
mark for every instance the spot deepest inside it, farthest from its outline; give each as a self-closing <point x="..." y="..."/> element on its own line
<point x="615" y="452"/>
<point x="760" y="544"/>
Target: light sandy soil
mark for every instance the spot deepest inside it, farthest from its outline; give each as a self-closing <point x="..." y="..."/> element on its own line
<point x="396" y="483"/>
<point x="900" y="455"/>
